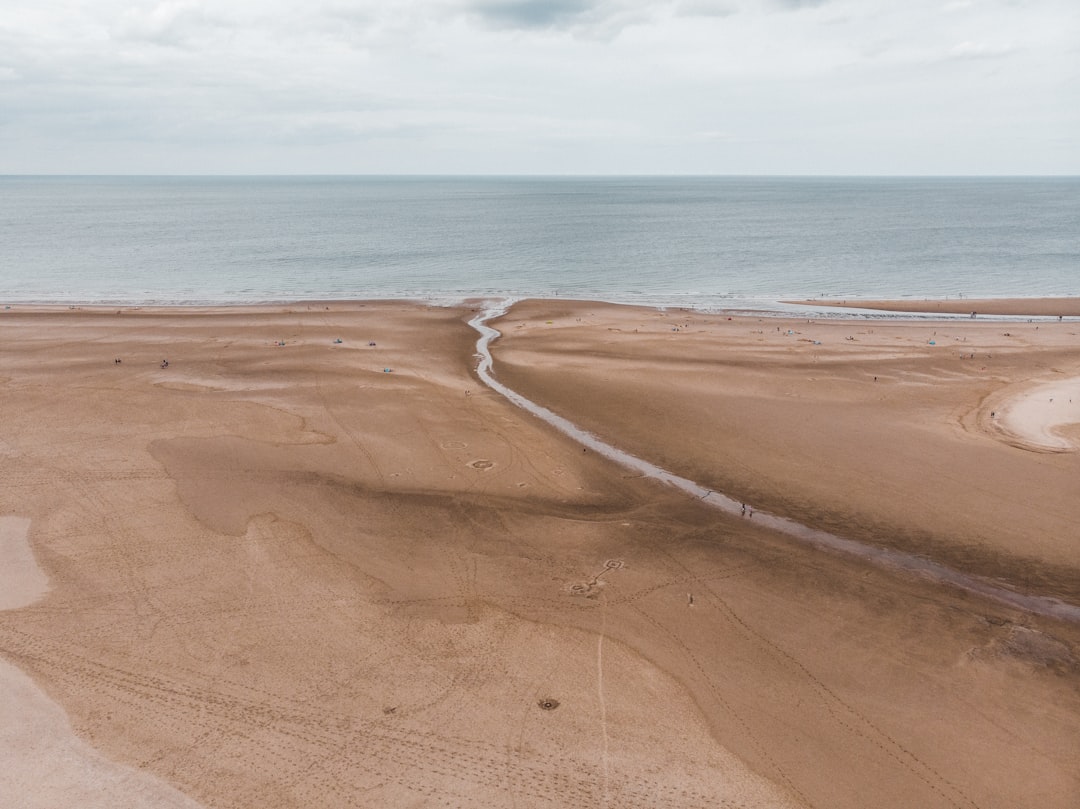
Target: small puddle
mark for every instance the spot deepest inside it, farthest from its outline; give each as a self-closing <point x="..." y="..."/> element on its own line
<point x="883" y="557"/>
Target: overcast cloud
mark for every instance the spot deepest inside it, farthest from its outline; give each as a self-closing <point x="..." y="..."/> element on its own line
<point x="525" y="86"/>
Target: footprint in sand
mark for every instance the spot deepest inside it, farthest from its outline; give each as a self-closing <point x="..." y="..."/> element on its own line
<point x="584" y="589"/>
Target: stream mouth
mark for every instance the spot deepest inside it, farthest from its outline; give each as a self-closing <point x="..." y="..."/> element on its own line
<point x="882" y="557"/>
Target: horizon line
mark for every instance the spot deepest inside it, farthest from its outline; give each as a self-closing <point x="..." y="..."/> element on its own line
<point x="492" y="175"/>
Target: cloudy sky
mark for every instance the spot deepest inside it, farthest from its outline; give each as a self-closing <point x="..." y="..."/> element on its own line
<point x="540" y="86"/>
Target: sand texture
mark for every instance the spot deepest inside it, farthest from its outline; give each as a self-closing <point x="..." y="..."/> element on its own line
<point x="314" y="561"/>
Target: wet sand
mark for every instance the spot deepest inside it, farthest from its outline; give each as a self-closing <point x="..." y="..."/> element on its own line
<point x="22" y="581"/>
<point x="44" y="764"/>
<point x="290" y="571"/>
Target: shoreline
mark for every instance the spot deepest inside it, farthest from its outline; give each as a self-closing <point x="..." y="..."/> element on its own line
<point x="1041" y="307"/>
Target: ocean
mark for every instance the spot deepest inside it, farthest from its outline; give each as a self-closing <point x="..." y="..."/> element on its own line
<point x="712" y="242"/>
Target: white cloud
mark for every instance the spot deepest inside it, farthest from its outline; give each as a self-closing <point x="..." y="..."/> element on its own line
<point x="168" y="23"/>
<point x="706" y="8"/>
<point x="531" y="13"/>
<point x="980" y="50"/>
<point x="522" y="85"/>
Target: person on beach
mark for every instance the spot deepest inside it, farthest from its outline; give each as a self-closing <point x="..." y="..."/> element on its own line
<point x="744" y="509"/>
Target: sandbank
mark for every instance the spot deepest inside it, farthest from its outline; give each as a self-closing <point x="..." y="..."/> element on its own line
<point x="314" y="561"/>
<point x="851" y="422"/>
<point x="1030" y="307"/>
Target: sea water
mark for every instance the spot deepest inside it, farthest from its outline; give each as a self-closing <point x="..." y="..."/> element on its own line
<point x="714" y="242"/>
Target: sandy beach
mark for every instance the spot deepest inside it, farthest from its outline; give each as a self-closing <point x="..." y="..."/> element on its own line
<point x="312" y="560"/>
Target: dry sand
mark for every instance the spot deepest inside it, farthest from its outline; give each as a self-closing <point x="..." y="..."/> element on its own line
<point x="281" y="575"/>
